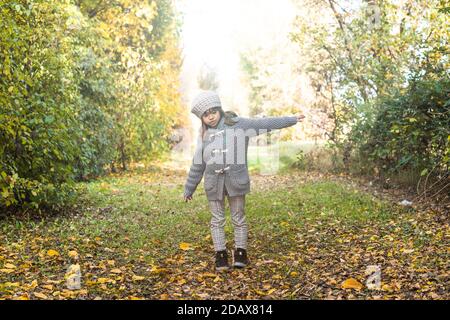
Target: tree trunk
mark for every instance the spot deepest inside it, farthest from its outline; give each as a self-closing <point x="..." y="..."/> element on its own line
<point x="123" y="157"/>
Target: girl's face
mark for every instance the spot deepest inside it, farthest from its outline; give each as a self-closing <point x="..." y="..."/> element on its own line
<point x="211" y="117"/>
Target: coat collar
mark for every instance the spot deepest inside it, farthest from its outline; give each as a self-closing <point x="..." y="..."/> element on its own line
<point x="221" y="123"/>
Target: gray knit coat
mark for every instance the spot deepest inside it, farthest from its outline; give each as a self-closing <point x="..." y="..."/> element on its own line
<point x="221" y="156"/>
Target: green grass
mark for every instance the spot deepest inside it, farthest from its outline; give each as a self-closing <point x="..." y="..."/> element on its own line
<point x="310" y="226"/>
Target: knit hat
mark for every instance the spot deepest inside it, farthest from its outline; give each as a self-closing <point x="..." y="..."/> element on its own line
<point x="203" y="101"/>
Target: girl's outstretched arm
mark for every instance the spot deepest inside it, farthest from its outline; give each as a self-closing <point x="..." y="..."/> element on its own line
<point x="195" y="172"/>
<point x="263" y="125"/>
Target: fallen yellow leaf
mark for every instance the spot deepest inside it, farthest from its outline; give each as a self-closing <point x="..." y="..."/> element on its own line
<point x="138" y="278"/>
<point x="208" y="274"/>
<point x="7" y="270"/>
<point x="68" y="293"/>
<point x="260" y="292"/>
<point x="54" y="281"/>
<point x="116" y="271"/>
<point x="103" y="280"/>
<point x="9" y="266"/>
<point x="48" y="287"/>
<point x="52" y="253"/>
<point x="155" y="269"/>
<point x="271" y="291"/>
<point x="90" y="282"/>
<point x="387" y="287"/>
<point x="12" y="284"/>
<point x="33" y="284"/>
<point x="352" y="283"/>
<point x="40" y="295"/>
<point x="73" y="254"/>
<point x="185" y="246"/>
<point x="25" y="265"/>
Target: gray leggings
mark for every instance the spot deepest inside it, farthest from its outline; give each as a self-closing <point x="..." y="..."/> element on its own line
<point x="237" y="208"/>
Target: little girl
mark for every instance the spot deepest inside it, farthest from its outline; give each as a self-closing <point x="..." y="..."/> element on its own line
<point x="221" y="156"/>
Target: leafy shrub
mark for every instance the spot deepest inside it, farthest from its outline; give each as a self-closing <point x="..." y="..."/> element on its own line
<point x="80" y="89"/>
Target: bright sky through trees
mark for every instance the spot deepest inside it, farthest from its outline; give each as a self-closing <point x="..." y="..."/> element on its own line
<point x="214" y="32"/>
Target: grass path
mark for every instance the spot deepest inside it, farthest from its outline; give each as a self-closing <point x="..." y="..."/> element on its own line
<point x="134" y="238"/>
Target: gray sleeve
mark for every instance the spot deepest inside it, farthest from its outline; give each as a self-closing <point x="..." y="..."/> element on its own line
<point x="196" y="171"/>
<point x="263" y="125"/>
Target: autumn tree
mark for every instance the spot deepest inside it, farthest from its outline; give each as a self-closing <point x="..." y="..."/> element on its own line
<point x="372" y="63"/>
<point x="85" y="84"/>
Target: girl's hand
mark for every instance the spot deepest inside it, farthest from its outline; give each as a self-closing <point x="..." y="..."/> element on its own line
<point x="300" y="117"/>
<point x="187" y="198"/>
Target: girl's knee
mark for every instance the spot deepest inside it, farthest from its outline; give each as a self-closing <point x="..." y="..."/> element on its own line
<point x="239" y="222"/>
<point x="218" y="223"/>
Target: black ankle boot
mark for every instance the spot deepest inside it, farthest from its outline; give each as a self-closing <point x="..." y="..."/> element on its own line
<point x="222" y="260"/>
<point x="240" y="258"/>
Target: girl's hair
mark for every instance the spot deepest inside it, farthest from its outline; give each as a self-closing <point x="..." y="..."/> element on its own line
<point x="229" y="119"/>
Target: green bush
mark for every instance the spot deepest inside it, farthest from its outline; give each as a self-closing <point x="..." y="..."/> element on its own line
<point x="83" y="85"/>
<point x="37" y="91"/>
<point x="411" y="131"/>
